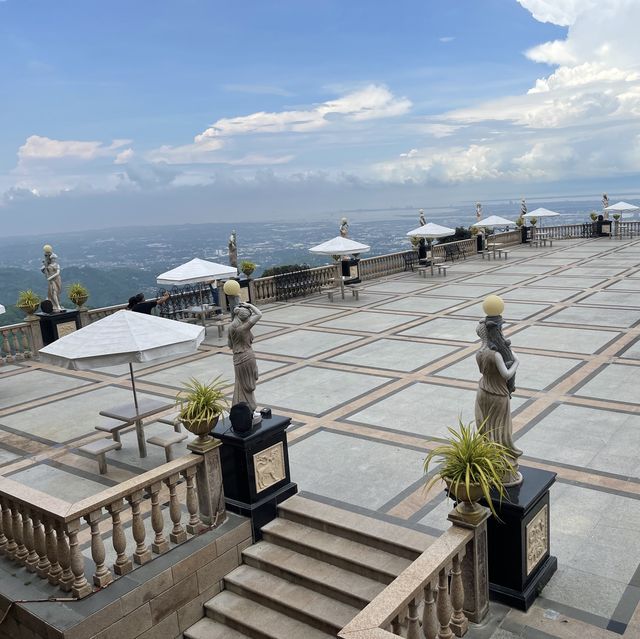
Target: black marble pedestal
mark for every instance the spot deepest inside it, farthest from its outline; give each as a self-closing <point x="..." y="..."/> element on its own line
<point x="255" y="470"/>
<point x="520" y="563"/>
<point x="57" y="325"/>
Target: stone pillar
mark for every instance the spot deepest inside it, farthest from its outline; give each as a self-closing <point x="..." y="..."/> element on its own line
<point x="36" y="334"/>
<point x="209" y="482"/>
<point x="84" y="316"/>
<point x="475" y="566"/>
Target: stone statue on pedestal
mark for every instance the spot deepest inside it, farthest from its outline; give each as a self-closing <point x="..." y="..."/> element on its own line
<point x="497" y="364"/>
<point x="51" y="270"/>
<point x="605" y="204"/>
<point x="233" y="250"/>
<point x="422" y="220"/>
<point x="478" y="211"/>
<point x="245" y="316"/>
<point x="523" y="207"/>
<point x="344" y="227"/>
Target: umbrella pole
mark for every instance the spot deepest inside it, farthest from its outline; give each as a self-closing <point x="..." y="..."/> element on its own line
<point x="431" y="255"/>
<point x="133" y="386"/>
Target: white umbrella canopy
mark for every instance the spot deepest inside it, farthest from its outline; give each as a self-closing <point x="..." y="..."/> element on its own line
<point x="195" y="271"/>
<point x="431" y="231"/>
<point x="2" y="309"/>
<point x="541" y="212"/>
<point x="123" y="338"/>
<point x="622" y="207"/>
<point x="494" y="220"/>
<point x="340" y="246"/>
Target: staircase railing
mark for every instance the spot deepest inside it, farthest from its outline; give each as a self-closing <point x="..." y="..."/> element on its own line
<point x="449" y="581"/>
<point x="44" y="533"/>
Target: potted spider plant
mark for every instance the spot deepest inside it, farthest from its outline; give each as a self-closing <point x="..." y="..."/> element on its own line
<point x="28" y="301"/>
<point x="247" y="267"/>
<point x="201" y="406"/>
<point x="78" y="294"/>
<point x="471" y="465"/>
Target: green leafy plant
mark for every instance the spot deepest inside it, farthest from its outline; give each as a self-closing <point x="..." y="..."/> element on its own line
<point x="247" y="267"/>
<point x="593" y="215"/>
<point x="474" y="230"/>
<point x="534" y="221"/>
<point x="415" y="241"/>
<point x="520" y="222"/>
<point x="470" y="459"/>
<point x="200" y="402"/>
<point x="78" y="294"/>
<point x="28" y="301"/>
<point x="616" y="216"/>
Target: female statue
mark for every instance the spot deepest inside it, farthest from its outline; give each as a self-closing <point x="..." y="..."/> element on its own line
<point x="344" y="227"/>
<point x="498" y="365"/>
<point x="233" y="250"/>
<point x="245" y="316"/>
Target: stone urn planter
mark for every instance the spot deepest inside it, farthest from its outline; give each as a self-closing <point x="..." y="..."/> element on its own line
<point x="28" y="302"/>
<point x="201" y="406"/>
<point x="78" y="294"/>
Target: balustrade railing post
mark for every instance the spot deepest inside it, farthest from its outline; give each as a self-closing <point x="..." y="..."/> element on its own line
<point x="429" y="617"/>
<point x="102" y="577"/>
<point x="459" y="623"/>
<point x="36" y="334"/>
<point x="209" y="482"/>
<point x="178" y="534"/>
<point x="3" y="537"/>
<point x="413" y="626"/>
<point x="159" y="544"/>
<point x="123" y="564"/>
<point x="142" y="553"/>
<point x="64" y="558"/>
<point x="194" y="526"/>
<point x="80" y="587"/>
<point x="40" y="544"/>
<point x="29" y="541"/>
<point x="21" y="551"/>
<point x="55" y="569"/>
<point x="443" y="606"/>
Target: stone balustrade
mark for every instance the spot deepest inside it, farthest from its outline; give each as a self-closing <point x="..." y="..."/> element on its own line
<point x="468" y="247"/>
<point x="381" y="265"/>
<point x="95" y="314"/>
<point x="448" y="581"/>
<point x="17" y="342"/>
<point x="44" y="533"/>
<point x="278" y="288"/>
<point x="508" y="237"/>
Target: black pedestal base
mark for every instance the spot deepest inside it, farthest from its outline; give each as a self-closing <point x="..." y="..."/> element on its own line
<point x="263" y="511"/>
<point x="56" y="325"/>
<point x="519" y="560"/>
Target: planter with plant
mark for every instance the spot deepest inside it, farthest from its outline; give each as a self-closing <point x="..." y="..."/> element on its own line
<point x="247" y="267"/>
<point x="201" y="406"/>
<point x="593" y="215"/>
<point x="78" y="294"/>
<point x="471" y="465"/>
<point x="28" y="301"/>
<point x="415" y="241"/>
<point x="520" y="222"/>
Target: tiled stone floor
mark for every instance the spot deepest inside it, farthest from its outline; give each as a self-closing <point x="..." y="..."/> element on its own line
<point x="373" y="384"/>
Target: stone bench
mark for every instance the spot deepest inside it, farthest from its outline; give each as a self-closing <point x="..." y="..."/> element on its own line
<point x="486" y="254"/>
<point x="330" y="291"/>
<point x="502" y="252"/>
<point x="167" y="442"/>
<point x="423" y="270"/>
<point x="98" y="449"/>
<point x="355" y="291"/>
<point x="113" y="428"/>
<point x="442" y="270"/>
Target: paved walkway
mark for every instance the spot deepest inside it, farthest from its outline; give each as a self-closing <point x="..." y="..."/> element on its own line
<point x="372" y="384"/>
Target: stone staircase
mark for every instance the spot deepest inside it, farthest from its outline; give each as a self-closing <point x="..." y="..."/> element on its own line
<point x="314" y="569"/>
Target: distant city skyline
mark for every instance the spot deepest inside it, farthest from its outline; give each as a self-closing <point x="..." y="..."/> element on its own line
<point x="197" y="111"/>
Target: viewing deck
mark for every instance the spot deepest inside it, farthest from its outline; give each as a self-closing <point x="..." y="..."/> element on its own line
<point x="373" y="383"/>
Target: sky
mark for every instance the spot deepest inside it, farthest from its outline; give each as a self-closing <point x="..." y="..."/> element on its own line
<point x="171" y="111"/>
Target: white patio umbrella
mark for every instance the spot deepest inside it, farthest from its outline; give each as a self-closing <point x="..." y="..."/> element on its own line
<point x="493" y="221"/>
<point x="340" y="246"/>
<point x="622" y="208"/>
<point x="123" y="338"/>
<point x="540" y="214"/>
<point x="2" y="309"/>
<point x="195" y="271"/>
<point x="431" y="232"/>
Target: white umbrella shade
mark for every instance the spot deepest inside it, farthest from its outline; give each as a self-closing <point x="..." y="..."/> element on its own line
<point x="494" y="220"/>
<point x="196" y="270"/>
<point x="541" y="212"/>
<point x="340" y="246"/>
<point x="622" y="207"/>
<point x="2" y="309"/>
<point x="123" y="338"/>
<point x="431" y="231"/>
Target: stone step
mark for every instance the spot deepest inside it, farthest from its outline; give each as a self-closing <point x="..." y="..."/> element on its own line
<point x="397" y="540"/>
<point x="338" y="551"/>
<point x="257" y="621"/>
<point x="209" y="629"/>
<point x="293" y="600"/>
<point x="326" y="579"/>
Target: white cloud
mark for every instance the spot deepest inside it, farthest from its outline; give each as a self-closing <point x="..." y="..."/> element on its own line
<point x="124" y="156"/>
<point x="560" y="12"/>
<point x="37" y="147"/>
<point x="447" y="39"/>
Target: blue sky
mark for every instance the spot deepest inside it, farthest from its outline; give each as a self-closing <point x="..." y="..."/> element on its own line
<point x="130" y="112"/>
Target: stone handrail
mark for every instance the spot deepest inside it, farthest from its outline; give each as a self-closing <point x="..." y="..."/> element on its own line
<point x="294" y="284"/>
<point x="565" y="231"/>
<point x="17" y="342"/>
<point x="96" y="314"/>
<point x="445" y="578"/>
<point x="381" y="265"/>
<point x="41" y="532"/>
<point x="508" y="237"/>
<point x="468" y="247"/>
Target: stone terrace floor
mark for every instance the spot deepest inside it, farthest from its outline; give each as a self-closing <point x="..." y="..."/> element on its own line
<point x="372" y="384"/>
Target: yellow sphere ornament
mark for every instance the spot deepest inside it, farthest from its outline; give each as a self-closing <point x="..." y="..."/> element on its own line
<point x="231" y="287"/>
<point x="47" y="248"/>
<point x="493" y="305"/>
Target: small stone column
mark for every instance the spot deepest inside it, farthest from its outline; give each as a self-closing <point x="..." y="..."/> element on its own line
<point x="36" y="334"/>
<point x="475" y="566"/>
<point x="209" y="482"/>
<point x="84" y="316"/>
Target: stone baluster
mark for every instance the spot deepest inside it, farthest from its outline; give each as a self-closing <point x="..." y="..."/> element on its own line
<point x="80" y="587"/>
<point x="413" y="625"/>
<point x="6" y="347"/>
<point x="459" y="623"/>
<point x="429" y="617"/>
<point x="29" y="541"/>
<point x="160" y="544"/>
<point x="64" y="558"/>
<point x="443" y="607"/>
<point x="55" y="570"/>
<point x="7" y="518"/>
<point x="102" y="577"/>
<point x="396" y="627"/>
<point x="15" y="338"/>
<point x="123" y="564"/>
<point x="40" y="544"/>
<point x="194" y="526"/>
<point x="142" y="553"/>
<point x="3" y="537"/>
<point x="178" y="533"/>
<point x="21" y="551"/>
